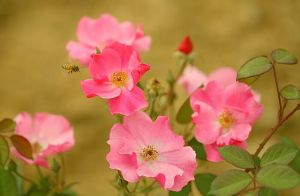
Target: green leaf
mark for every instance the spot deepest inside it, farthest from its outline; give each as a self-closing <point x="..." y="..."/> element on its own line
<point x="237" y="157"/>
<point x="283" y="56"/>
<point x="203" y="182"/>
<point x="22" y="145"/>
<point x="4" y="151"/>
<point x="198" y="148"/>
<point x="256" y="160"/>
<point x="266" y="192"/>
<point x="288" y="142"/>
<point x="7" y="125"/>
<point x="12" y="166"/>
<point x="8" y="186"/>
<point x="295" y="164"/>
<point x="290" y="92"/>
<point x="254" y="67"/>
<point x="250" y="80"/>
<point x="278" y="177"/>
<point x="278" y="153"/>
<point x="66" y="193"/>
<point x="249" y="194"/>
<point x="230" y="183"/>
<point x="42" y="188"/>
<point x="184" y="192"/>
<point x="185" y="112"/>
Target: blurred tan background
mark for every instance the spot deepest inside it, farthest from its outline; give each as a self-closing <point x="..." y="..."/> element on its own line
<point x="33" y="35"/>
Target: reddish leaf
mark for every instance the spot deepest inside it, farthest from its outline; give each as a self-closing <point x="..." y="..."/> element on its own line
<point x="22" y="145"/>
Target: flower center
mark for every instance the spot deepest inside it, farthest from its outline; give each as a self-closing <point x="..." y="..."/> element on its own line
<point x="226" y="120"/>
<point x="149" y="153"/>
<point x="36" y="148"/>
<point x="119" y="78"/>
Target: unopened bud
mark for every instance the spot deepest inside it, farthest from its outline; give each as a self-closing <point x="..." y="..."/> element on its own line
<point x="186" y="45"/>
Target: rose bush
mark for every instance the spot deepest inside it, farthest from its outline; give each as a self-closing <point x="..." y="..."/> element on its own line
<point x="148" y="150"/>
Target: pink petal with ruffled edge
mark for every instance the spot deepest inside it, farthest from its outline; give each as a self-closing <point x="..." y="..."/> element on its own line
<point x="207" y="128"/>
<point x="211" y="94"/>
<point x="239" y="99"/>
<point x="85" y="31"/>
<point x="184" y="159"/>
<point x="105" y="64"/>
<point x="142" y="44"/>
<point x="127" y="33"/>
<point x="157" y="133"/>
<point x="154" y="169"/>
<point x="106" y="30"/>
<point x="223" y="75"/>
<point x="128" y="102"/>
<point x="192" y="78"/>
<point x="53" y="130"/>
<point x="103" y="89"/>
<point x="121" y="141"/>
<point x="80" y="52"/>
<point x="24" y="126"/>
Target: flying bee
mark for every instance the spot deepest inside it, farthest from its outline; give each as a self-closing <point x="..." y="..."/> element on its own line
<point x="71" y="68"/>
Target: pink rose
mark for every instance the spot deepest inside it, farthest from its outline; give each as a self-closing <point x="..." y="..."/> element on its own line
<point x="48" y="134"/>
<point x="101" y="32"/>
<point x="142" y="148"/>
<point x="192" y="78"/>
<point x="223" y="115"/>
<point x="115" y="74"/>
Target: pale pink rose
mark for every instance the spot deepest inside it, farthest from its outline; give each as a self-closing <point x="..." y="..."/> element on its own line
<point x="142" y="148"/>
<point x="101" y="32"/>
<point x="224" y="115"/>
<point x="115" y="74"/>
<point x="48" y="134"/>
<point x="192" y="77"/>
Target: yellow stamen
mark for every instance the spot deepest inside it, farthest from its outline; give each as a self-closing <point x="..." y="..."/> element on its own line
<point x="119" y="78"/>
<point x="149" y="153"/>
<point x="226" y="120"/>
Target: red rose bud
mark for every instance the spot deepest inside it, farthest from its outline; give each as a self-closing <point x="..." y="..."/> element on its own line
<point x="186" y="45"/>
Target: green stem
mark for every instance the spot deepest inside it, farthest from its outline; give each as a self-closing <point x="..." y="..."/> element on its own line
<point x="148" y="188"/>
<point x="280" y="113"/>
<point x="23" y="177"/>
<point x="172" y="93"/>
<point x="274" y="129"/>
<point x="63" y="170"/>
<point x="38" y="169"/>
<point x="136" y="186"/>
<point x="152" y="108"/>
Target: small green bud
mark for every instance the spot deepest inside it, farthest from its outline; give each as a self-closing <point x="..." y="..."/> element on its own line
<point x="55" y="167"/>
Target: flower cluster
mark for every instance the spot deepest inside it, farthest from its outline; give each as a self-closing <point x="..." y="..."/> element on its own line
<point x="144" y="145"/>
<point x="224" y="109"/>
<point x="139" y="147"/>
<point x="148" y="146"/>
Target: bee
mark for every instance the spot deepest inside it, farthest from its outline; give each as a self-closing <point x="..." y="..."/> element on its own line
<point x="71" y="68"/>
